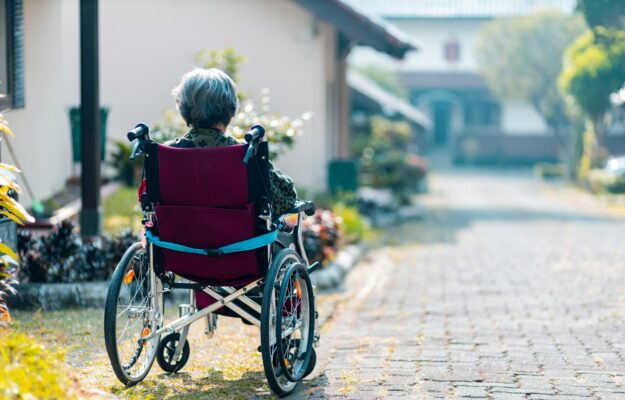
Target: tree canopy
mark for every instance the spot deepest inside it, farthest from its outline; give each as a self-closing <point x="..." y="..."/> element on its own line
<point x="606" y="13"/>
<point x="385" y="78"/>
<point x="595" y="69"/>
<point x="521" y="59"/>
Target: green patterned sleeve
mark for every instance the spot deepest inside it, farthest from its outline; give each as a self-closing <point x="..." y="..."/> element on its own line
<point x="282" y="190"/>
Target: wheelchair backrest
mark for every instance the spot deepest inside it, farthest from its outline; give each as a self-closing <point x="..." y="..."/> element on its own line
<point x="208" y="198"/>
<point x="209" y="176"/>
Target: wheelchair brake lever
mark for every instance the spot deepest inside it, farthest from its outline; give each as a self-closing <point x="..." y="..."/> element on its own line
<point x="135" y="150"/>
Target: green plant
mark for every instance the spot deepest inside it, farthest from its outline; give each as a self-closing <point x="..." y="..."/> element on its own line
<point x="602" y="181"/>
<point x="511" y="54"/>
<point x="385" y="78"/>
<point x="595" y="68"/>
<point x="12" y="209"/>
<point x="385" y="162"/>
<point x="322" y="234"/>
<point x="355" y="228"/>
<point x="169" y="128"/>
<point x="122" y="211"/>
<point x="550" y="171"/>
<point x="30" y="371"/>
<point x="128" y="171"/>
<point x="63" y="256"/>
<point x="607" y="13"/>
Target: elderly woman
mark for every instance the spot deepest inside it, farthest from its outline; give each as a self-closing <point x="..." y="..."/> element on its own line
<point x="207" y="101"/>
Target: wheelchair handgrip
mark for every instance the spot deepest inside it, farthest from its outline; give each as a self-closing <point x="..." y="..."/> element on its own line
<point x="140" y="131"/>
<point x="254" y="134"/>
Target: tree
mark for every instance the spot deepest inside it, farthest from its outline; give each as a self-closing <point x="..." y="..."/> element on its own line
<point x="521" y="59"/>
<point x="607" y="13"/>
<point x="595" y="69"/>
<point x="384" y="78"/>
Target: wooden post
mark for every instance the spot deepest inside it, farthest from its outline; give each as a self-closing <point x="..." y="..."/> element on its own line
<point x="91" y="212"/>
<point x="344" y="102"/>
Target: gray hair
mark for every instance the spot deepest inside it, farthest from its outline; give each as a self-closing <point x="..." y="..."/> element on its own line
<point x="206" y="97"/>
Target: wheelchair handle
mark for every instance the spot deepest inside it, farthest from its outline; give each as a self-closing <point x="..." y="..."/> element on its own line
<point x="255" y="134"/>
<point x="141" y="130"/>
<point x="136" y="150"/>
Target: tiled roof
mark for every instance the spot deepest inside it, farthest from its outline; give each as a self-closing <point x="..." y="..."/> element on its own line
<point x="460" y="8"/>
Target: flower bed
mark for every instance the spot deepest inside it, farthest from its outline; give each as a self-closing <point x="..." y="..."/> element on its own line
<point x="64" y="257"/>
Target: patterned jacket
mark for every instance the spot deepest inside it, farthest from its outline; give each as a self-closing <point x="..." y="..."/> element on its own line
<point x="282" y="186"/>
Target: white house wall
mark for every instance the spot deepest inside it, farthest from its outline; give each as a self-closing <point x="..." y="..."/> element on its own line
<point x="521" y="118"/>
<point x="431" y="36"/>
<point x="42" y="142"/>
<point x="145" y="46"/>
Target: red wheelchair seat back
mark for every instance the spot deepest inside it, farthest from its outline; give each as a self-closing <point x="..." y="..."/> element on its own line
<point x="208" y="198"/>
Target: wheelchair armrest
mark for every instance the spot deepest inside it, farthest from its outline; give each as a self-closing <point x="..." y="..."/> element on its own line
<point x="307" y="207"/>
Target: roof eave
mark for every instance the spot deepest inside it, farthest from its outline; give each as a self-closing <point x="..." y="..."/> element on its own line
<point x="360" y="27"/>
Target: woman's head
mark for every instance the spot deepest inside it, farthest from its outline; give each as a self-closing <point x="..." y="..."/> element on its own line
<point x="206" y="98"/>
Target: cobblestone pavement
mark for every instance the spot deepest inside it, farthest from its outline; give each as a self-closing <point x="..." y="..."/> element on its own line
<point x="503" y="292"/>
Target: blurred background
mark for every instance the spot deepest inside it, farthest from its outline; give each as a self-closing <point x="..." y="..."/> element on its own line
<point x="356" y="91"/>
<point x="487" y="134"/>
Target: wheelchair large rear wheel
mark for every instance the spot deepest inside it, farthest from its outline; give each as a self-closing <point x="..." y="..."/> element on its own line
<point x="132" y="311"/>
<point x="287" y="322"/>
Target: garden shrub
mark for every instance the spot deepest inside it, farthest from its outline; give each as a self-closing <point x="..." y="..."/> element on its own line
<point x="602" y="181"/>
<point x="549" y="170"/>
<point x="127" y="171"/>
<point x="322" y="234"/>
<point x="30" y="371"/>
<point x="385" y="161"/>
<point x="354" y="227"/>
<point x="11" y="209"/>
<point x="64" y="257"/>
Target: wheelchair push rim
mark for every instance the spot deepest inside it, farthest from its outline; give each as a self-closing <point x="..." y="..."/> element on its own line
<point x="286" y="260"/>
<point x="132" y="312"/>
<point x="295" y="324"/>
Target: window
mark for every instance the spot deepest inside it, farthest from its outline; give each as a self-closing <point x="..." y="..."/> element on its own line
<point x="482" y="113"/>
<point x="11" y="54"/>
<point x="452" y="51"/>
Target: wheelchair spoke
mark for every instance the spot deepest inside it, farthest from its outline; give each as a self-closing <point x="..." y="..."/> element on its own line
<point x="131" y="317"/>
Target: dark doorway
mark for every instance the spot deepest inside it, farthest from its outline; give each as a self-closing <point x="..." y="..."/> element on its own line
<point x="442" y="122"/>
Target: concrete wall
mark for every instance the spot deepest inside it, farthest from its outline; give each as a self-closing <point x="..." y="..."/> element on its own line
<point x="145" y="46"/>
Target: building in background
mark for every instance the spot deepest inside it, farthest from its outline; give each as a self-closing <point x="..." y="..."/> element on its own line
<point x="369" y="99"/>
<point x="296" y="48"/>
<point x="444" y="81"/>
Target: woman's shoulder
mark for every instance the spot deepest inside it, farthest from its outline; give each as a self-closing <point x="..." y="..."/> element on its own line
<point x="183" y="142"/>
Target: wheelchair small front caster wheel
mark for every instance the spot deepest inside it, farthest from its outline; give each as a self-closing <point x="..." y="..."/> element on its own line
<point x="167" y="350"/>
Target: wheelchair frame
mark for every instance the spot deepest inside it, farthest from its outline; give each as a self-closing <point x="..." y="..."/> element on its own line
<point x="161" y="282"/>
<point x="182" y="323"/>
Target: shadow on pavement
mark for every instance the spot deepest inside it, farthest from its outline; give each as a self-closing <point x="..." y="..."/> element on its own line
<point x="442" y="224"/>
<point x="182" y="385"/>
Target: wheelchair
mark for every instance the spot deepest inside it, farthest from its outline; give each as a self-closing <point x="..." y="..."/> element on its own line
<point x="209" y="229"/>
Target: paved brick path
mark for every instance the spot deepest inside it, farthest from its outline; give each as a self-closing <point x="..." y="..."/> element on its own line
<point x="503" y="292"/>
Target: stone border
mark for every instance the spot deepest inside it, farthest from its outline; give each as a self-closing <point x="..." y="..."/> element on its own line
<point x="332" y="276"/>
<point x="59" y="296"/>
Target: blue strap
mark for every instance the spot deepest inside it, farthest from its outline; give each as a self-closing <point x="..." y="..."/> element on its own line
<point x="245" y="245"/>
